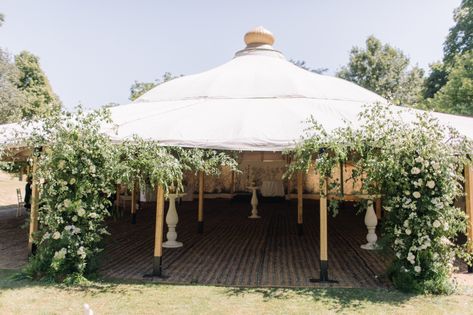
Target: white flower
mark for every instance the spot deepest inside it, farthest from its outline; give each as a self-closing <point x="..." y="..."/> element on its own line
<point x="419" y="159"/>
<point x="436" y="224"/>
<point x="72" y="181"/>
<point x="81" y="212"/>
<point x="411" y="258"/>
<point x="408" y="232"/>
<point x="93" y="215"/>
<point x="415" y="170"/>
<point x="60" y="254"/>
<point x="406" y="223"/>
<point x="67" y="203"/>
<point x="407" y="193"/>
<point x="46" y="236"/>
<point x="81" y="252"/>
<point x="417" y="269"/>
<point x="61" y="164"/>
<point x="430" y="184"/>
<point x="56" y="235"/>
<point x="416" y="194"/>
<point x="74" y="218"/>
<point x="436" y="166"/>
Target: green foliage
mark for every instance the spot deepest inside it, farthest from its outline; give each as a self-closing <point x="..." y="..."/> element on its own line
<point x="437" y="78"/>
<point x="302" y="64"/>
<point x="139" y="88"/>
<point x="460" y="36"/>
<point x="76" y="177"/>
<point x="78" y="169"/>
<point x="417" y="168"/>
<point x="41" y="101"/>
<point x="458" y="42"/>
<point x="384" y="70"/>
<point x="11" y="98"/>
<point x="146" y="162"/>
<point x="456" y="96"/>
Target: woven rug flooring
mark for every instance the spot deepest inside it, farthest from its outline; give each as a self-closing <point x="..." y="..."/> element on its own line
<point x="237" y="251"/>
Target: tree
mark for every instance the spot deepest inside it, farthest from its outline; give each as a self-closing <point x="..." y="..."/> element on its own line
<point x="459" y="40"/>
<point x="139" y="88"/>
<point x="456" y="96"/>
<point x="383" y="69"/>
<point x="11" y="99"/>
<point x="302" y="64"/>
<point x="460" y="37"/>
<point x="436" y="79"/>
<point x="41" y="100"/>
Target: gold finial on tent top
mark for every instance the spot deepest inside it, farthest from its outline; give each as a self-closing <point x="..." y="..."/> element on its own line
<point x="259" y="35"/>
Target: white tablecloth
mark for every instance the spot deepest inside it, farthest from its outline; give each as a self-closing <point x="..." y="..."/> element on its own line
<point x="272" y="188"/>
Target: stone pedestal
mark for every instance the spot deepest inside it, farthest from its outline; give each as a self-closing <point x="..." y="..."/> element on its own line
<point x="171" y="220"/>
<point x="371" y="222"/>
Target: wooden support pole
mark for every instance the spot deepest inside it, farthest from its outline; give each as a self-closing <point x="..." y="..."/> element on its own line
<point x="469" y="208"/>
<point x="133" y="204"/>
<point x="200" y="214"/>
<point x="34" y="209"/>
<point x="232" y="188"/>
<point x="289" y="188"/>
<point x="378" y="208"/>
<point x="158" y="236"/>
<point x="300" y="206"/>
<point x="323" y="233"/>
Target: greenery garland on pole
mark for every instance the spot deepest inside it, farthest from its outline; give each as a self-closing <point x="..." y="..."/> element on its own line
<point x="77" y="172"/>
<point x="417" y="168"/>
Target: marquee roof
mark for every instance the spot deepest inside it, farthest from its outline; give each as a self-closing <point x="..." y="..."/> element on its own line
<point x="258" y="101"/>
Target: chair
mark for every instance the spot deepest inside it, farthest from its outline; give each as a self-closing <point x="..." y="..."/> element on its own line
<point x="21" y="203"/>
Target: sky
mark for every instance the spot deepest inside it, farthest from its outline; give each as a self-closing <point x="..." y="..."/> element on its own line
<point x="92" y="51"/>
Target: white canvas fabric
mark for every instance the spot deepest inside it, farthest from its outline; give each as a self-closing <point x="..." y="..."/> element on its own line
<point x="258" y="101"/>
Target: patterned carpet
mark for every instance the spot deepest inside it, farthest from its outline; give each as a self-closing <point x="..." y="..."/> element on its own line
<point x="237" y="251"/>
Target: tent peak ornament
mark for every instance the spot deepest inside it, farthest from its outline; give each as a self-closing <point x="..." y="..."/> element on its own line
<point x="259" y="35"/>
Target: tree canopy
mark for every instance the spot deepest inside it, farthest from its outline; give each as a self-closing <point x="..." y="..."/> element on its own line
<point x="458" y="41"/>
<point x="11" y="98"/>
<point x="456" y="96"/>
<point x="139" y="88"/>
<point x="41" y="101"/>
<point x="460" y="36"/>
<point x="384" y="69"/>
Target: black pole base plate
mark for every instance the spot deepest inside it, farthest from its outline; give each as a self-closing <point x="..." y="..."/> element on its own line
<point x="300" y="229"/>
<point x="153" y="276"/>
<point x="323" y="281"/>
<point x="200" y="227"/>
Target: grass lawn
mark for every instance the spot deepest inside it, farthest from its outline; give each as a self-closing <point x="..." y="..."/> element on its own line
<point x="27" y="297"/>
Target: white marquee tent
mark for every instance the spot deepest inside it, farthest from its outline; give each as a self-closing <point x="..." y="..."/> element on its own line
<point x="258" y="101"/>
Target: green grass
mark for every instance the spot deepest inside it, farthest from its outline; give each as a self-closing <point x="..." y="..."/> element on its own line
<point x="105" y="297"/>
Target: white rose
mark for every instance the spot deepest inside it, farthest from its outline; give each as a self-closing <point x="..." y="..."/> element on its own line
<point x="72" y="181"/>
<point x="415" y="170"/>
<point x="419" y="159"/>
<point x="74" y="218"/>
<point x="81" y="212"/>
<point x="436" y="224"/>
<point x="430" y="184"/>
<point x="408" y="232"/>
<point x="67" y="203"/>
<point x="56" y="235"/>
<point x="416" y="194"/>
<point x="417" y="269"/>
